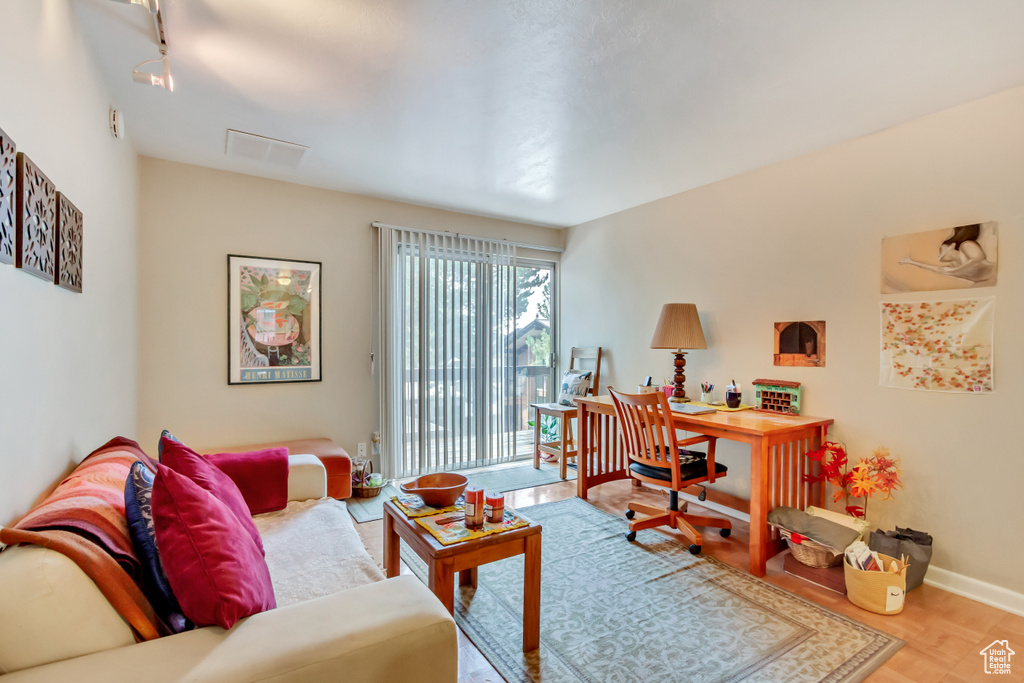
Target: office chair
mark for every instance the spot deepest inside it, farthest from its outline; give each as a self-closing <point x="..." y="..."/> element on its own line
<point x="658" y="457"/>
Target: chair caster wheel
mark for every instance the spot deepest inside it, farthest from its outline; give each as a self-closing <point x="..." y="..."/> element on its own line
<point x="631" y="536"/>
<point x="694" y="549"/>
<point x="724" y="533"/>
<point x="630" y="514"/>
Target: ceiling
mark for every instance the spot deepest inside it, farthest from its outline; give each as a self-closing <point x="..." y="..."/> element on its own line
<point x="552" y="112"/>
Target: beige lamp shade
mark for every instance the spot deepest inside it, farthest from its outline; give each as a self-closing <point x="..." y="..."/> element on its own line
<point x="679" y="328"/>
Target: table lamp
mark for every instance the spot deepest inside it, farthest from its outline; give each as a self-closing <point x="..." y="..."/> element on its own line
<point x="679" y="328"/>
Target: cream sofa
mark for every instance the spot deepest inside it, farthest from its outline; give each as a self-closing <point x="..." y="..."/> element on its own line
<point x="338" y="618"/>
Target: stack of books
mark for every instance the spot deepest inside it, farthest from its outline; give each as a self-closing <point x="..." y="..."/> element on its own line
<point x="859" y="556"/>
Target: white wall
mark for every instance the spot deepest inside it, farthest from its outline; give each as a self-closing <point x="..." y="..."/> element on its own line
<point x="191" y="219"/>
<point x="67" y="361"/>
<point x="800" y="240"/>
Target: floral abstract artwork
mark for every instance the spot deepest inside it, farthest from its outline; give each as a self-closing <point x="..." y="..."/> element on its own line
<point x="938" y="345"/>
<point x="273" y="320"/>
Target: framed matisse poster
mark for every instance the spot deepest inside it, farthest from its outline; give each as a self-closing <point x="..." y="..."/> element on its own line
<point x="273" y="320"/>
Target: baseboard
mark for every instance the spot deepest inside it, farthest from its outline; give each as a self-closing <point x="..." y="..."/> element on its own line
<point x="980" y="591"/>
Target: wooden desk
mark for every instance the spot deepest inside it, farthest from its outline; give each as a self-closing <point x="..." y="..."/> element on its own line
<point x="444" y="561"/>
<point x="778" y="460"/>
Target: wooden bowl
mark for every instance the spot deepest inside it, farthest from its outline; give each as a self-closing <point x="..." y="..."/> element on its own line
<point x="437" y="490"/>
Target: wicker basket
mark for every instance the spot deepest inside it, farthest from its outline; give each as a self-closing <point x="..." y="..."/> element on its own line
<point x="879" y="592"/>
<point x="362" y="471"/>
<point x="810" y="553"/>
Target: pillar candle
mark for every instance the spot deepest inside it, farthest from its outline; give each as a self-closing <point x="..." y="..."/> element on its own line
<point x="495" y="508"/>
<point x="474" y="507"/>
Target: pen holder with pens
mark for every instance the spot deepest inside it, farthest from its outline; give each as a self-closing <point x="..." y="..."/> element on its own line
<point x="669" y="387"/>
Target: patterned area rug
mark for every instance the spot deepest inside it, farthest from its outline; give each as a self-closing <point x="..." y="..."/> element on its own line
<point x="650" y="611"/>
<point x="504" y="478"/>
<point x="519" y="476"/>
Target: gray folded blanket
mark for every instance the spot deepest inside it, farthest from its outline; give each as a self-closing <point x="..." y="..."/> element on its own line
<point x="829" y="534"/>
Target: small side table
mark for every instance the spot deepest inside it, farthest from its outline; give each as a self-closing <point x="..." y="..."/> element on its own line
<point x="564" y="448"/>
<point x="443" y="561"/>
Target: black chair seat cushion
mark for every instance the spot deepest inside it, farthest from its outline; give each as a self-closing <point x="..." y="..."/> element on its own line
<point x="692" y="465"/>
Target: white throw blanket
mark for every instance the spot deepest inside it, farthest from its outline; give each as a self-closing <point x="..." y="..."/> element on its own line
<point x="314" y="550"/>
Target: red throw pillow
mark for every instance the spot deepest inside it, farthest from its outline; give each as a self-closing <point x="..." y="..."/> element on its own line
<point x="216" y="571"/>
<point x="261" y="476"/>
<point x="186" y="461"/>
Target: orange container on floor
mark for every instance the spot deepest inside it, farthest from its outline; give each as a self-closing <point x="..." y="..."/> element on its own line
<point x="881" y="592"/>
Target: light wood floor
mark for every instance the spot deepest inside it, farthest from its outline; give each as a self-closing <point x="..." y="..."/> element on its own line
<point x="944" y="632"/>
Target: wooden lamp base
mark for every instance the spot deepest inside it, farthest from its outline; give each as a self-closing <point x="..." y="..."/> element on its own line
<point x="679" y="394"/>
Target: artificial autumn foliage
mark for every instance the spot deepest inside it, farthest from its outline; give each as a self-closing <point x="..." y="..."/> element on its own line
<point x="879" y="474"/>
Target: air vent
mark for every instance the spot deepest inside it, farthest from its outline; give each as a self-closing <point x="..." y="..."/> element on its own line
<point x="264" y="150"/>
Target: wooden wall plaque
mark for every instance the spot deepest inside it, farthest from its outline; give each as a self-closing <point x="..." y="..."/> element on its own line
<point x="36" y="220"/>
<point x="69" y="244"/>
<point x="8" y="202"/>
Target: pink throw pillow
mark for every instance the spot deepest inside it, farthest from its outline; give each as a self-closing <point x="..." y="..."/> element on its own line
<point x="216" y="571"/>
<point x="261" y="476"/>
<point x="187" y="462"/>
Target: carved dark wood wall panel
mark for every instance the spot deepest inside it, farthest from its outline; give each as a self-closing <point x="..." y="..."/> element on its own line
<point x="69" y="250"/>
<point x="8" y="202"/>
<point x="37" y="220"/>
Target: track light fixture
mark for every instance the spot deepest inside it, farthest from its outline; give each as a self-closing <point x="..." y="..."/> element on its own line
<point x="152" y="5"/>
<point x="163" y="80"/>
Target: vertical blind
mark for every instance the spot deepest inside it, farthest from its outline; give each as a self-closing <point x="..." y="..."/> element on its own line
<point x="447" y="316"/>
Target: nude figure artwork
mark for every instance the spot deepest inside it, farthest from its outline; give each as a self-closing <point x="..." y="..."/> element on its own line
<point x="964" y="257"/>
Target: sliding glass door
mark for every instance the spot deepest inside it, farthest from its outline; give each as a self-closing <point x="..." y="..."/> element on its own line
<point x="535" y="345"/>
<point x="466" y="344"/>
<point x="448" y="343"/>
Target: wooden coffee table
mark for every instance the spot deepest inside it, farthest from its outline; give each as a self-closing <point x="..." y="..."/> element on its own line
<point x="444" y="561"/>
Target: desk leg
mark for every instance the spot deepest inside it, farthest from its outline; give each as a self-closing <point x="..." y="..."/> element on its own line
<point x="467" y="577"/>
<point x="536" y="438"/>
<point x="563" y="443"/>
<point x="582" y="451"/>
<point x="392" y="545"/>
<point x="531" y="594"/>
<point x="442" y="583"/>
<point x="563" y="447"/>
<point x="759" y="494"/>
